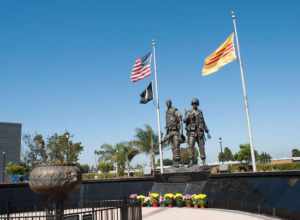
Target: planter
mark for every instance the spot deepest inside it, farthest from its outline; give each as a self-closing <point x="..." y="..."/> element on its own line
<point x="188" y="203"/>
<point x="196" y="206"/>
<point x="179" y="203"/>
<point x="16" y="178"/>
<point x="168" y="203"/>
<point x="55" y="180"/>
<point x="155" y="204"/>
<point x="202" y="203"/>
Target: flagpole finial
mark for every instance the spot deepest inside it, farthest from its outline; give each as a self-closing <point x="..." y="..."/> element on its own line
<point x="233" y="14"/>
<point x="153" y="42"/>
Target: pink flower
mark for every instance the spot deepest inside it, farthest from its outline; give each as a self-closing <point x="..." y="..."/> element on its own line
<point x="133" y="196"/>
<point x="187" y="197"/>
<point x="161" y="199"/>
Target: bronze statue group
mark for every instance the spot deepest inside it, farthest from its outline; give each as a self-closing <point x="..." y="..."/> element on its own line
<point x="195" y="127"/>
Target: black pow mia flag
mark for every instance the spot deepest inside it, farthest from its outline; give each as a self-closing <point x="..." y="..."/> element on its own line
<point x="147" y="94"/>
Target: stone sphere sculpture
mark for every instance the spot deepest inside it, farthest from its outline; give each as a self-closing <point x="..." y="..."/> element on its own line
<point x="55" y="181"/>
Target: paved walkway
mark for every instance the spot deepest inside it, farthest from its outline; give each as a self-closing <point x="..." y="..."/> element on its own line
<point x="199" y="214"/>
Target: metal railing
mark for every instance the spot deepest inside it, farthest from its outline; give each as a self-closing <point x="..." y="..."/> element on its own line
<point x="102" y="210"/>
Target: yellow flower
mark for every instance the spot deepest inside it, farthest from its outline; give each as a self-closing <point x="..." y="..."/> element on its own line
<point x="202" y="196"/>
<point x="178" y="196"/>
<point x="154" y="195"/>
<point x="140" y="197"/>
<point x="169" y="196"/>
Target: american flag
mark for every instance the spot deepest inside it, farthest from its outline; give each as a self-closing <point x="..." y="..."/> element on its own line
<point x="141" y="68"/>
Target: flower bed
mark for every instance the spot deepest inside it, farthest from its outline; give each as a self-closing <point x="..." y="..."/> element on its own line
<point x="154" y="199"/>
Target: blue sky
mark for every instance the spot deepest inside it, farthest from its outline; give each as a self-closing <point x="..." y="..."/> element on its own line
<point x="66" y="65"/>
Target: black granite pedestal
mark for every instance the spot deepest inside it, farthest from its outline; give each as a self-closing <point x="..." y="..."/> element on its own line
<point x="183" y="180"/>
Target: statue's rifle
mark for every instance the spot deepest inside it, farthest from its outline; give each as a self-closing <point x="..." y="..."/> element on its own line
<point x="166" y="138"/>
<point x="181" y="126"/>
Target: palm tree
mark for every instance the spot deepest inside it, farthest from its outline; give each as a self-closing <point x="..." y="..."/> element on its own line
<point x="120" y="154"/>
<point x="106" y="152"/>
<point x="130" y="152"/>
<point x="112" y="153"/>
<point x="147" y="142"/>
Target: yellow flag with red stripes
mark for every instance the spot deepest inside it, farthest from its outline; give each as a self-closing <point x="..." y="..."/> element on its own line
<point x="219" y="58"/>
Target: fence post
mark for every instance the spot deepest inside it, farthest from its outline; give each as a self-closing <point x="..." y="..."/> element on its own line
<point x="274" y="212"/>
<point x="59" y="209"/>
<point x="7" y="210"/>
<point x="140" y="212"/>
<point x="93" y="213"/>
<point x="124" y="210"/>
<point x="48" y="213"/>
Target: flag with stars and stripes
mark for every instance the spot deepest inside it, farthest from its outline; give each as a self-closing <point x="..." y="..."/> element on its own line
<point x="141" y="68"/>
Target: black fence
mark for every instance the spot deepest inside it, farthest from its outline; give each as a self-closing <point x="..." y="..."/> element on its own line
<point x="102" y="210"/>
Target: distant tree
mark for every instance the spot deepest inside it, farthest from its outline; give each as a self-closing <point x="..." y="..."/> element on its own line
<point x="139" y="169"/>
<point x="130" y="152"/>
<point x="36" y="150"/>
<point x="264" y="158"/>
<point x="226" y="155"/>
<point x="85" y="168"/>
<point x="62" y="150"/>
<point x="59" y="148"/>
<point x="295" y="153"/>
<point x="106" y="152"/>
<point x="221" y="157"/>
<point x="113" y="154"/>
<point x="147" y="142"/>
<point x="120" y="154"/>
<point x="244" y="154"/>
<point x="105" y="167"/>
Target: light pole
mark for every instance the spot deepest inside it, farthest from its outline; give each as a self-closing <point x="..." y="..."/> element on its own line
<point x="4" y="166"/>
<point x="117" y="165"/>
<point x="67" y="135"/>
<point x="221" y="149"/>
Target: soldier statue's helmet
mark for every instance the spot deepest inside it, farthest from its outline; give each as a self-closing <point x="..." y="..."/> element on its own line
<point x="169" y="102"/>
<point x="195" y="101"/>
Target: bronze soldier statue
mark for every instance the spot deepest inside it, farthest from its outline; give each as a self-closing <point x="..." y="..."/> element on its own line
<point x="195" y="131"/>
<point x="173" y="131"/>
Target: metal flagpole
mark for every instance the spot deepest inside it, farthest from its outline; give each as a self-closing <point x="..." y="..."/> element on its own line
<point x="157" y="109"/>
<point x="244" y="93"/>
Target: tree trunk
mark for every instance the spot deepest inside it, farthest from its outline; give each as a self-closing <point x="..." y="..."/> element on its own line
<point x="128" y="168"/>
<point x="117" y="169"/>
<point x="152" y="155"/>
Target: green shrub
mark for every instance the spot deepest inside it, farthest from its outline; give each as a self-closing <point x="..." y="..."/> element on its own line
<point x="138" y="173"/>
<point x="15" y="169"/>
<point x="278" y="167"/>
<point x="264" y="167"/>
<point x="97" y="176"/>
<point x="105" y="167"/>
<point x="287" y="166"/>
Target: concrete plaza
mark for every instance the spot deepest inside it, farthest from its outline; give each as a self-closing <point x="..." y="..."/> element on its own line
<point x="196" y="214"/>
